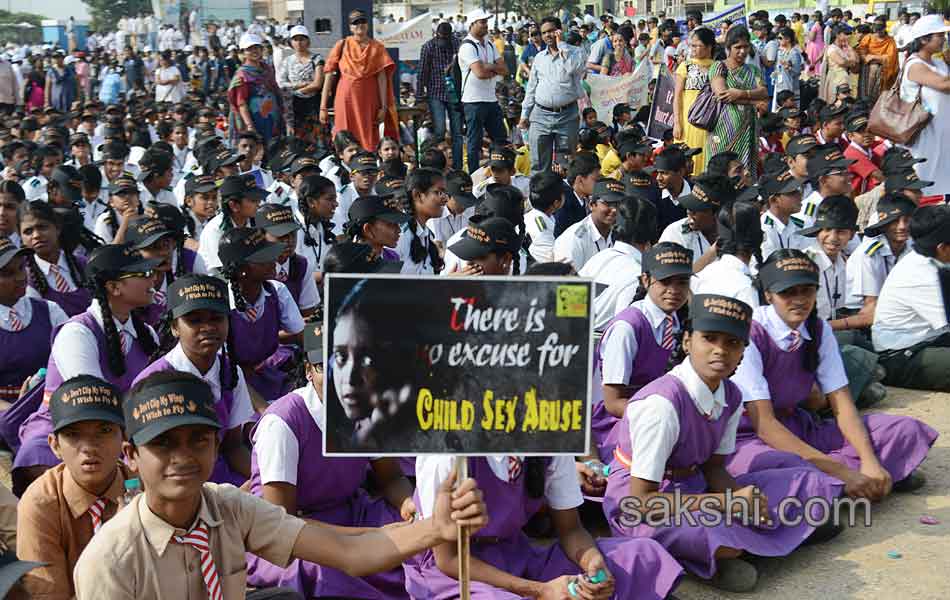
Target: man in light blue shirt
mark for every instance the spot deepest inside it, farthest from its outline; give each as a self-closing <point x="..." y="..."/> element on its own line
<point x="551" y="96"/>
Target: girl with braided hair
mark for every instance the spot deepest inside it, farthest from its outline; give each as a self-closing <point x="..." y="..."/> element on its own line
<point x="316" y="203"/>
<point x="427" y="199"/>
<point x="265" y="320"/>
<point x="507" y="202"/>
<point x="196" y="338"/>
<point x="55" y="272"/>
<point x="739" y="243"/>
<point x="109" y="340"/>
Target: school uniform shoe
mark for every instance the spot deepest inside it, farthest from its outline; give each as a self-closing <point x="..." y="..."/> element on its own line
<point x="914" y="481"/>
<point x="823" y="533"/>
<point x="872" y="394"/>
<point x="735" y="575"/>
<point x="879" y="373"/>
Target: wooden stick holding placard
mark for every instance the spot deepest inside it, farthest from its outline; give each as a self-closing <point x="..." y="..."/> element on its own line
<point x="464" y="543"/>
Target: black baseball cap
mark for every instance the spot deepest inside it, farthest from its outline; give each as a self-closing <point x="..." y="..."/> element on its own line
<point x="502" y="158"/>
<point x="144" y="231"/>
<point x="890" y="208"/>
<point x="897" y="159"/>
<point x="276" y="220"/>
<point x="782" y="182"/>
<point x="118" y="259"/>
<point x="364" y="161"/>
<point x="114" y="151"/>
<point x="789" y="113"/>
<point x="830" y="112"/>
<point x="634" y="147"/>
<point x="168" y="214"/>
<point x="193" y="292"/>
<point x="313" y="342"/>
<point x="801" y="144"/>
<point x="124" y="184"/>
<point x="244" y="186"/>
<point x="458" y="184"/>
<point x="712" y="312"/>
<point x="200" y="184"/>
<point x="247" y="245"/>
<point x="156" y="409"/>
<point x="9" y="251"/>
<point x="671" y="159"/>
<point x="668" y="259"/>
<point x="905" y="180"/>
<point x="783" y="273"/>
<point x="391" y="187"/>
<point x="353" y="257"/>
<point x="856" y="122"/>
<point x="85" y="398"/>
<point x="843" y="88"/>
<point x="386" y="208"/>
<point x="155" y="162"/>
<point x="79" y="138"/>
<point x="489" y="235"/>
<point x="69" y="181"/>
<point x="709" y="192"/>
<point x="283" y="160"/>
<point x="302" y="163"/>
<point x="609" y="190"/>
<point x="835" y="212"/>
<point x="222" y="157"/>
<point x="828" y="159"/>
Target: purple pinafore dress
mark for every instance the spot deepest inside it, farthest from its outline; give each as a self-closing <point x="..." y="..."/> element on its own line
<point x="641" y="568"/>
<point x="152" y="314"/>
<point x="74" y="302"/>
<point x="328" y="490"/>
<point x="34" y="449"/>
<point x="298" y="271"/>
<point x="222" y="473"/>
<point x="256" y="345"/>
<point x="694" y="544"/>
<point x="24" y="352"/>
<point x="901" y="443"/>
<point x="649" y="364"/>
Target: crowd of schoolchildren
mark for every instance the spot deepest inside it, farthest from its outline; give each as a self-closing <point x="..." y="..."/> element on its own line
<point x="162" y="366"/>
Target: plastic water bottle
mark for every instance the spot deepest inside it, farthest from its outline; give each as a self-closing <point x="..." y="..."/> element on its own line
<point x="38" y="378"/>
<point x="133" y="487"/>
<point x="599" y="468"/>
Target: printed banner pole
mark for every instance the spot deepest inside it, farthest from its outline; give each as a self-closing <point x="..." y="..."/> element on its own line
<point x="464" y="543"/>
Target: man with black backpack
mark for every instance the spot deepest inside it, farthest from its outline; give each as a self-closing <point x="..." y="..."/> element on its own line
<point x="480" y="66"/>
<point x="436" y="62"/>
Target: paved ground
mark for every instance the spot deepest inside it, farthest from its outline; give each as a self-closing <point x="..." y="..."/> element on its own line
<point x="855" y="565"/>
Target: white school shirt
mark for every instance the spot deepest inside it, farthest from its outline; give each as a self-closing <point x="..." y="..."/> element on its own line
<point x="404" y="246"/>
<point x="540" y="228"/>
<point x="561" y="488"/>
<point x="341" y="215"/>
<point x="832" y="281"/>
<point x="103" y="229"/>
<point x="750" y="376"/>
<point x="453" y="263"/>
<point x="517" y="180"/>
<point x="44" y="266"/>
<point x="448" y="224"/>
<point x="91" y="212"/>
<point x="290" y="319"/>
<point x="679" y="232"/>
<point x="316" y="255"/>
<point x="309" y="298"/>
<point x="241" y="409"/>
<point x="209" y="241"/>
<point x="35" y="188"/>
<point x="164" y="196"/>
<point x="778" y="235"/>
<point x="727" y="276"/>
<point x="281" y="194"/>
<point x="655" y="425"/>
<point x="615" y="271"/>
<point x="75" y="351"/>
<point x="868" y="267"/>
<point x="579" y="243"/>
<point x="24" y="311"/>
<point x="910" y="309"/>
<point x="278" y="449"/>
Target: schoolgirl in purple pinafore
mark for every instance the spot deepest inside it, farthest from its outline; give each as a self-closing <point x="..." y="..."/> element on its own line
<point x="297" y="270"/>
<point x="328" y="490"/>
<point x="694" y="546"/>
<point x="257" y="344"/>
<point x="390" y="255"/>
<point x="900" y="443"/>
<point x="34" y="448"/>
<point x="24" y="352"/>
<point x="72" y="303"/>
<point x="641" y="568"/>
<point x="152" y="314"/>
<point x="650" y="363"/>
<point x="222" y="473"/>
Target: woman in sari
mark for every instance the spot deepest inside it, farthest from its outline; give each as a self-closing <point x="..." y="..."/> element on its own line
<point x="620" y="61"/>
<point x="364" y="97"/>
<point x="691" y="76"/>
<point x="815" y="46"/>
<point x="738" y="87"/>
<point x="254" y="96"/>
<point x="878" y="54"/>
<point x="839" y="61"/>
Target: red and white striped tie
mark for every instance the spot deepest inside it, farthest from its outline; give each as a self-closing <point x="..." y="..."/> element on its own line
<point x="159" y="297"/>
<point x="281" y="274"/>
<point x="126" y="339"/>
<point x="59" y="281"/>
<point x="198" y="539"/>
<point x="95" y="511"/>
<point x="251" y="313"/>
<point x="15" y="323"/>
<point x="514" y="468"/>
<point x="668" y="339"/>
<point x="795" y="340"/>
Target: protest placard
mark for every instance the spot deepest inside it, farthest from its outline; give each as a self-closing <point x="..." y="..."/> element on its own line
<point x="661" y="111"/>
<point x="475" y="366"/>
<point x="633" y="88"/>
<point x="408" y="37"/>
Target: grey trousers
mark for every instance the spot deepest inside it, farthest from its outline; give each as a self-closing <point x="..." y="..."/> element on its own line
<point x="551" y="131"/>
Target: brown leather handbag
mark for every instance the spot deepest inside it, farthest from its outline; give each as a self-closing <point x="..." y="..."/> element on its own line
<point x="896" y="120"/>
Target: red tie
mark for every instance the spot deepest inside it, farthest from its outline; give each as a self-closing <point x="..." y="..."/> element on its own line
<point x="59" y="281"/>
<point x="251" y="313"/>
<point x="95" y="511"/>
<point x="160" y="297"/>
<point x="514" y="468"/>
<point x="198" y="539"/>
<point x="126" y="338"/>
<point x="668" y="340"/>
<point x="795" y="342"/>
<point x="15" y="323"/>
<point x="281" y="274"/>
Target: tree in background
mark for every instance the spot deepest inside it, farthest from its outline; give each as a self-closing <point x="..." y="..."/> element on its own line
<point x="538" y="9"/>
<point x="106" y="13"/>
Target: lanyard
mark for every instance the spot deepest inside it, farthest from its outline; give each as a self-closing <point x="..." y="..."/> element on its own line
<point x="832" y="298"/>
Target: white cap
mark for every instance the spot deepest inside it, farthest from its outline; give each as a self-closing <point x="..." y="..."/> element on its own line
<point x="928" y="25"/>
<point x="298" y="30"/>
<point x="147" y="49"/>
<point x="479" y="15"/>
<point x="250" y="39"/>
